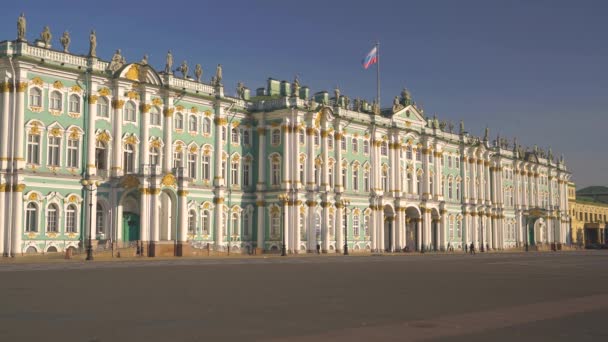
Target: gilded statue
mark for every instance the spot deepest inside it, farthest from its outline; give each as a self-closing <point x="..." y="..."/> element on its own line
<point x="93" y="44"/>
<point x="21" y="25"/>
<point x="65" y="41"/>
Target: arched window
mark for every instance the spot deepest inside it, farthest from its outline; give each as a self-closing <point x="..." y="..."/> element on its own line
<point x="31" y="218"/>
<point x="100" y="155"/>
<point x="52" y="217"/>
<point x="343" y="143"/>
<point x="450" y="161"/>
<point x="234" y="172"/>
<point x="33" y="149"/>
<point x="206" y="126"/>
<point x="408" y="152"/>
<point x="366" y="180"/>
<point x="330" y="175"/>
<point x="129" y="159"/>
<point x="246" y="137"/>
<point x="74" y="103"/>
<point x="53" y="155"/>
<point x="384" y="179"/>
<point x="246" y="223"/>
<point x="355" y="143"/>
<point x="191" y="221"/>
<point x="246" y="173"/>
<point x="356" y="225"/>
<point x="418" y="154"/>
<point x="130" y="112"/>
<point x="192" y="123"/>
<point x="191" y="165"/>
<point x="303" y="235"/>
<point x="154" y="156"/>
<point x="99" y="219"/>
<point x="451" y="227"/>
<point x="458" y="228"/>
<point x="177" y="157"/>
<point x="206" y="167"/>
<point x="366" y="146"/>
<point x="35" y="97"/>
<point x="275" y="176"/>
<point x="179" y="121"/>
<point x="70" y="219"/>
<point x="234" y="135"/>
<point x="103" y="107"/>
<point x="384" y="148"/>
<point x="73" y="152"/>
<point x="155" y="117"/>
<point x="235" y="224"/>
<point x="56" y="101"/>
<point x="274" y="224"/>
<point x="302" y="173"/>
<point x="450" y="185"/>
<point x="275" y="138"/>
<point x="356" y="179"/>
<point x="344" y="175"/>
<point x="205" y="222"/>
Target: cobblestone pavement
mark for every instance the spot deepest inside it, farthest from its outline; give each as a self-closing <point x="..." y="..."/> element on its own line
<point x="487" y="297"/>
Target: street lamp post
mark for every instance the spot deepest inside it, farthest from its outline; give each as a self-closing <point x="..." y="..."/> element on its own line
<point x="344" y="204"/>
<point x="283" y="198"/>
<point x="89" y="184"/>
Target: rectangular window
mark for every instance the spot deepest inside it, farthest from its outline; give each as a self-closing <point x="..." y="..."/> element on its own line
<point x="302" y="180"/>
<point x="384" y="149"/>
<point x="366" y="181"/>
<point x="276" y="174"/>
<point x="356" y="179"/>
<point x="192" y="165"/>
<point x="234" y="173"/>
<point x="155" y="118"/>
<point x="343" y="144"/>
<point x="73" y="146"/>
<point x="355" y="143"/>
<point x="206" y="167"/>
<point x="53" y="151"/>
<point x="246" y="174"/>
<point x="234" y="137"/>
<point x="365" y="146"/>
<point x="33" y="149"/>
<point x="246" y="137"/>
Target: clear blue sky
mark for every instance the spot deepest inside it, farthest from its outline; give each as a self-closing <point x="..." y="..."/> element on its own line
<point x="532" y="69"/>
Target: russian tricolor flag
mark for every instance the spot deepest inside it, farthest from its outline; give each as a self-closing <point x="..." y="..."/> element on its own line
<point x="371" y="58"/>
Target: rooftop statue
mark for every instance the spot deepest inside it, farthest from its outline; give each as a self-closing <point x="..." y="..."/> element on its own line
<point x="46" y="36"/>
<point x="313" y="103"/>
<point x="357" y="105"/>
<point x="93" y="44"/>
<point x="550" y="154"/>
<point x="406" y="97"/>
<point x="240" y="91"/>
<point x="296" y="86"/>
<point x="218" y="75"/>
<point x="198" y="72"/>
<point x="486" y="135"/>
<point x="346" y="101"/>
<point x="117" y="62"/>
<point x="144" y="60"/>
<point x="183" y="69"/>
<point x="21" y="25"/>
<point x="169" y="62"/>
<point x="65" y="41"/>
<point x="337" y="95"/>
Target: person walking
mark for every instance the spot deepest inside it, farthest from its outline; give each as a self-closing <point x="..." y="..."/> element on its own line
<point x="472" y="248"/>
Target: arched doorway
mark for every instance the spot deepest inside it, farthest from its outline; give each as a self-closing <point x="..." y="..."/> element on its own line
<point x="389" y="220"/>
<point x="168" y="216"/>
<point x="535" y="231"/>
<point x="435" y="226"/>
<point x="412" y="229"/>
<point x="130" y="218"/>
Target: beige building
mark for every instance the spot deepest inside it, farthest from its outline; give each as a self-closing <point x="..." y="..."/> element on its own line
<point x="589" y="217"/>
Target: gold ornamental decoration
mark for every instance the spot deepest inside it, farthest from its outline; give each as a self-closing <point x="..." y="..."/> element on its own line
<point x="55" y="131"/>
<point x="179" y="108"/>
<point x="103" y="137"/>
<point x="38" y="81"/>
<point x="133" y="73"/>
<point x="76" y="89"/>
<point x="129" y="182"/>
<point x="33" y="197"/>
<point x="145" y="108"/>
<point x="104" y="91"/>
<point x="193" y="110"/>
<point x="131" y="140"/>
<point x="155" y="143"/>
<point x="93" y="99"/>
<point x="133" y="95"/>
<point x="73" y="199"/>
<point x="157" y="101"/>
<point x="21" y="87"/>
<point x="168" y="180"/>
<point x="74" y="133"/>
<point x="57" y="85"/>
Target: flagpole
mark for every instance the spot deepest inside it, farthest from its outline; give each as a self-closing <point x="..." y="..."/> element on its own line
<point x="378" y="74"/>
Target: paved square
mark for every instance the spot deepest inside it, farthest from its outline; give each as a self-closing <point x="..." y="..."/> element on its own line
<point x="486" y="297"/>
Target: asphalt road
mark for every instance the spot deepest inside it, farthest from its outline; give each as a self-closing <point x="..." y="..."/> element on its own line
<point x="486" y="297"/>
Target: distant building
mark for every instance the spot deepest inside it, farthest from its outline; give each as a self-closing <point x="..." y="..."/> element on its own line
<point x="175" y="163"/>
<point x="589" y="213"/>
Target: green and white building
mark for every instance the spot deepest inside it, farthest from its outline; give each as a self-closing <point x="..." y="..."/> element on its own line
<point x="175" y="164"/>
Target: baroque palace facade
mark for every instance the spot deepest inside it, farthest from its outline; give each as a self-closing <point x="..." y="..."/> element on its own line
<point x="173" y="163"/>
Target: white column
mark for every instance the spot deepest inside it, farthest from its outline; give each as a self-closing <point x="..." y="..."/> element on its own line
<point x="442" y="230"/>
<point x="91" y="170"/>
<point x="4" y="136"/>
<point x="464" y="183"/>
<point x="285" y="164"/>
<point x="17" y="229"/>
<point x="338" y="169"/>
<point x="145" y="135"/>
<point x="311" y="239"/>
<point x="261" y="226"/>
<point x="145" y="210"/>
<point x="20" y="126"/>
<point x="117" y="106"/>
<point x="182" y="197"/>
<point x="338" y="227"/>
<point x="397" y="228"/>
<point x="168" y="136"/>
<point x="325" y="225"/>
